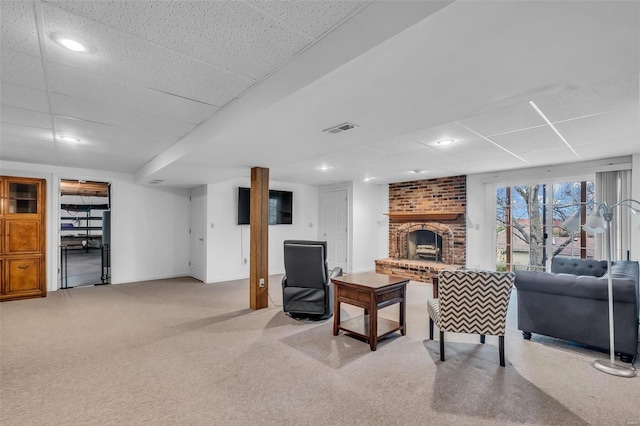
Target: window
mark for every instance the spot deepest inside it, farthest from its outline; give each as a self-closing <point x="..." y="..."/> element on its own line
<point x="529" y="222"/>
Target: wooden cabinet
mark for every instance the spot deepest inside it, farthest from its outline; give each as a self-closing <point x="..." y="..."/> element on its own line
<point x="22" y="238"/>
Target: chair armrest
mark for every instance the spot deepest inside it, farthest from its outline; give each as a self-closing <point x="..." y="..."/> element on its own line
<point x="284" y="281"/>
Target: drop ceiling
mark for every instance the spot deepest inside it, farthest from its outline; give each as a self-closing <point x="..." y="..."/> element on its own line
<point x="195" y="92"/>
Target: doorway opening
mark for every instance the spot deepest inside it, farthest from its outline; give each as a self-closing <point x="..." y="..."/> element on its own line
<point x="85" y="233"/>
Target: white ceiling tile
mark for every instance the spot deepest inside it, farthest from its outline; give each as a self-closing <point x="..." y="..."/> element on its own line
<point x="612" y="148"/>
<point x="312" y="17"/>
<point x="203" y="30"/>
<point x="619" y="124"/>
<point x="135" y="132"/>
<point x="83" y="129"/>
<point x="353" y="156"/>
<point x="470" y="167"/>
<point x="24" y="150"/>
<point x="477" y="150"/>
<point x="365" y="154"/>
<point x="454" y="131"/>
<point x="19" y="27"/>
<point x="135" y="61"/>
<point x="612" y="94"/>
<point x="131" y="126"/>
<point x="514" y="117"/>
<point x="550" y="156"/>
<point x="72" y="156"/>
<point x="22" y="70"/>
<point x="395" y="145"/>
<point x="535" y="139"/>
<point x="87" y="109"/>
<point x="151" y="130"/>
<point x="190" y="176"/>
<point x="25" y="117"/>
<point x="424" y="159"/>
<point x="80" y="93"/>
<point x="26" y="132"/>
<point x="24" y="97"/>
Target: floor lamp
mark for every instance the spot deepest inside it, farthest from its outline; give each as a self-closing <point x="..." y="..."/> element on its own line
<point x="600" y="222"/>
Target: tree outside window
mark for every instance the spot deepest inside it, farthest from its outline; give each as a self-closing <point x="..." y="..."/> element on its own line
<point x="526" y="213"/>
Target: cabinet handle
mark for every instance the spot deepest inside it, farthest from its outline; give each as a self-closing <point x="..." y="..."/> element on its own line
<point x="23" y="267"/>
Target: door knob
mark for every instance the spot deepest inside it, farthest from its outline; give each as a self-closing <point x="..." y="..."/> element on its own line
<point x="201" y="239"/>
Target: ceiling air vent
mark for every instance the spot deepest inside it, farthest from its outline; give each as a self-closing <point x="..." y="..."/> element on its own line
<point x="340" y="128"/>
<point x="156" y="181"/>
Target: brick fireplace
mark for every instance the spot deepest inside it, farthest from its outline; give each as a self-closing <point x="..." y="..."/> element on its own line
<point x="427" y="228"/>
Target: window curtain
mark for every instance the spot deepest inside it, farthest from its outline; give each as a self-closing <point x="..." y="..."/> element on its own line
<point x="611" y="188"/>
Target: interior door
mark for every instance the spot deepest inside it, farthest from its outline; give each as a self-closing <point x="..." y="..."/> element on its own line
<point x="197" y="255"/>
<point x="335" y="227"/>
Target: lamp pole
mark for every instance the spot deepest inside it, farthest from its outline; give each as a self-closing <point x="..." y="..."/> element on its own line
<point x="596" y="225"/>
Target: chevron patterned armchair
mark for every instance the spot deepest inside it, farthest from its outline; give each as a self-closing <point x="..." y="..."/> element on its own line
<point x="471" y="302"/>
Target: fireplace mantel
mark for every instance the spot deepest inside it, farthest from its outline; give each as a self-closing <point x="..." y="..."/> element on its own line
<point x="411" y="217"/>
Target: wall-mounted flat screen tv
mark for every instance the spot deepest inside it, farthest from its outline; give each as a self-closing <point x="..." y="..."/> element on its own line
<point x="280" y="207"/>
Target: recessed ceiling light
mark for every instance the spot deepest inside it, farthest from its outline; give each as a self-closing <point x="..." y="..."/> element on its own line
<point x="67" y="138"/>
<point x="72" y="42"/>
<point x="417" y="171"/>
<point x="367" y="179"/>
<point x="323" y="167"/>
<point x="445" y="142"/>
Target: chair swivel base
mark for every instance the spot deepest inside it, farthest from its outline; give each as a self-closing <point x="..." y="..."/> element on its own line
<point x="310" y="317"/>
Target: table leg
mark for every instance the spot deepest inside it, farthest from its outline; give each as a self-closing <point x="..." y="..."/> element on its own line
<point x="403" y="312"/>
<point x="434" y="282"/>
<point x="336" y="310"/>
<point x="373" y="324"/>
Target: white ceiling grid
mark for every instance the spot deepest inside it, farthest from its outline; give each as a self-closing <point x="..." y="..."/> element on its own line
<point x="159" y="69"/>
<point x="163" y="68"/>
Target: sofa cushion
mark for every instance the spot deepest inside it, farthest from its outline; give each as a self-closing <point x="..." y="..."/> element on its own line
<point x="594" y="268"/>
<point x="580" y="286"/>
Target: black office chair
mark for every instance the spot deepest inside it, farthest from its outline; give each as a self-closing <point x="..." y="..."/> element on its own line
<point x="307" y="290"/>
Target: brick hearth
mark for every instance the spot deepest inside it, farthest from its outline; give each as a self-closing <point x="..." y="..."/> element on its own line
<point x="417" y="270"/>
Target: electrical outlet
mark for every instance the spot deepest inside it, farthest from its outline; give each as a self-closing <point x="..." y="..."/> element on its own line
<point x="261" y="282"/>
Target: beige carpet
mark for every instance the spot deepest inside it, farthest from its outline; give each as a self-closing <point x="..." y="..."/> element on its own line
<point x="181" y="352"/>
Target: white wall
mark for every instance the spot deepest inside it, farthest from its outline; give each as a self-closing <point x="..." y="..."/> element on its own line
<point x="149" y="232"/>
<point x="481" y="223"/>
<point x="481" y="195"/>
<point x="369" y="225"/>
<point x="635" y="191"/>
<point x="150" y="225"/>
<point x="228" y="243"/>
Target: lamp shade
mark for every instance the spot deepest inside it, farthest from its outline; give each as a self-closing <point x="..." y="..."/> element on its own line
<point x="595" y="223"/>
<point x="573" y="222"/>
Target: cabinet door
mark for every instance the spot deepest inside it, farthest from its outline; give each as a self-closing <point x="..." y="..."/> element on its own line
<point x="22" y="236"/>
<point x="23" y="278"/>
<point x="22" y="197"/>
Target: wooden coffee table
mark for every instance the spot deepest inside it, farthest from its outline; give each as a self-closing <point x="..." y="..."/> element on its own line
<point x="372" y="292"/>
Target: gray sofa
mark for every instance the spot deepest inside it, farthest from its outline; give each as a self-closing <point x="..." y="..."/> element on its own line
<point x="571" y="303"/>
